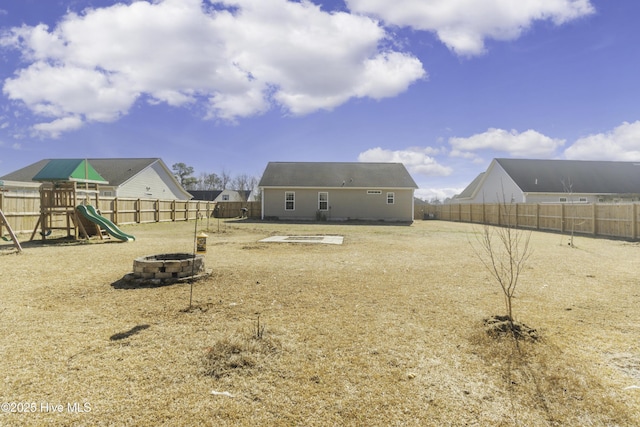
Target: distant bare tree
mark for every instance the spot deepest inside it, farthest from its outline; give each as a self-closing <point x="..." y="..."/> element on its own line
<point x="253" y="186"/>
<point x="225" y="179"/>
<point x="209" y="181"/>
<point x="568" y="189"/>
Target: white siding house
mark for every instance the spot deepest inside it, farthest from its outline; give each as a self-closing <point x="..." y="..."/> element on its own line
<point x="554" y="181"/>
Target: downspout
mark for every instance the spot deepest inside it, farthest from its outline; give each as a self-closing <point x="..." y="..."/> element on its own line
<point x="262" y="203"/>
<point x="413" y="204"/>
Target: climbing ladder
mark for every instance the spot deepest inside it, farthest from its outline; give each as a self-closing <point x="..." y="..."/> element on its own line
<point x="3" y="221"/>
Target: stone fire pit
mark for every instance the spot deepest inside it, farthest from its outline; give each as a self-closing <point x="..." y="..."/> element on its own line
<point x="168" y="266"/>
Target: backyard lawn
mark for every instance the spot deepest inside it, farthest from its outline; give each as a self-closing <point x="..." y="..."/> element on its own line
<point x="384" y="329"/>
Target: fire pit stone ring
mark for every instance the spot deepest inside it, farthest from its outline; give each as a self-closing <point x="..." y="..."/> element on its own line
<point x="168" y="266"/>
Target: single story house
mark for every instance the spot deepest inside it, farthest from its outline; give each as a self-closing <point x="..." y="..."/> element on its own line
<point x="127" y="178"/>
<point x="554" y="181"/>
<point x="337" y="191"/>
<point x="221" y="195"/>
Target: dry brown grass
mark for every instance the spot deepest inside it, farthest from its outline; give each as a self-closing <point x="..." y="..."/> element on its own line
<point x="386" y="329"/>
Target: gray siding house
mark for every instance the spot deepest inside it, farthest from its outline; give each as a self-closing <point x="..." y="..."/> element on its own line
<point x="136" y="178"/>
<point x="554" y="181"/>
<point x="337" y="191"/>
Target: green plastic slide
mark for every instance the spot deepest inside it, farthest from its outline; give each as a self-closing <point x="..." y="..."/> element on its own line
<point x="92" y="215"/>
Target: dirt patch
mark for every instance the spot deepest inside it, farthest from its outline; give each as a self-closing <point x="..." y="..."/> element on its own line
<point x="502" y="326"/>
<point x="239" y="354"/>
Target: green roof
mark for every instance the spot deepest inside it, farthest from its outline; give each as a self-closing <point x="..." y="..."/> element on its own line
<point x="78" y="170"/>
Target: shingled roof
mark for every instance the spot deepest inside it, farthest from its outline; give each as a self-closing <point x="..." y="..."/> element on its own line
<point x="336" y="175"/>
<point x="577" y="176"/>
<point x="115" y="171"/>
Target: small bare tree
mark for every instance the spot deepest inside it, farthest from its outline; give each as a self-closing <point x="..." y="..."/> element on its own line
<point x="504" y="251"/>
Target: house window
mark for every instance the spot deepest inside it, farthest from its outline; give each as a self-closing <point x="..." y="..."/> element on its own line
<point x="107" y="193"/>
<point x="563" y="200"/>
<point x="391" y="198"/>
<point x="583" y="199"/>
<point x="225" y="197"/>
<point x="323" y="201"/>
<point x="289" y="201"/>
<point x="374" y="192"/>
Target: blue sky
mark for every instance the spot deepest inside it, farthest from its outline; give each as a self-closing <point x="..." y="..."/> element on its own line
<point x="443" y="86"/>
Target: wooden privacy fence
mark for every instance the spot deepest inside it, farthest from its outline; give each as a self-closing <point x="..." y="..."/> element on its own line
<point x="23" y="210"/>
<point x="606" y="220"/>
<point x="234" y="209"/>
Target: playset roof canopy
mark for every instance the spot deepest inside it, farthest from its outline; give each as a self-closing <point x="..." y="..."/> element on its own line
<point x="78" y="170"/>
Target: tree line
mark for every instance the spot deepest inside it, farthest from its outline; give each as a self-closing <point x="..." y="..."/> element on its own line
<point x="212" y="181"/>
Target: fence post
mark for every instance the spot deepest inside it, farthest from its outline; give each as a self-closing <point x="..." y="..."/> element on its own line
<point x="634" y="214"/>
<point x="1" y="223"/>
<point x="537" y="216"/>
<point x="173" y="210"/>
<point x="562" y="218"/>
<point x="594" y="219"/>
<point x="138" y="211"/>
<point x="115" y="210"/>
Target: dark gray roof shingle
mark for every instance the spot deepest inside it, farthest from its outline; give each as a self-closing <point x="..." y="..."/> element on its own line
<point x="577" y="176"/>
<point x="336" y="175"/>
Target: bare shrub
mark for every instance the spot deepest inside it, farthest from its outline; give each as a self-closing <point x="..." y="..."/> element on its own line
<point x="504" y="251"/>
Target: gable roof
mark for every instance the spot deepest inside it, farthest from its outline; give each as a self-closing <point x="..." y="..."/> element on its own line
<point x="78" y="170"/>
<point x="576" y="176"/>
<point x="115" y="171"/>
<point x="336" y="175"/>
<point x="207" y="195"/>
<point x="471" y="188"/>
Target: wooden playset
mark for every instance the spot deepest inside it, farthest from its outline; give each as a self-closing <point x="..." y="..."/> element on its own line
<point x="66" y="183"/>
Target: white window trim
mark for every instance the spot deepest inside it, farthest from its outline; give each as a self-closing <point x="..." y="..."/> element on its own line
<point x="391" y="196"/>
<point x="323" y="201"/>
<point x="286" y="193"/>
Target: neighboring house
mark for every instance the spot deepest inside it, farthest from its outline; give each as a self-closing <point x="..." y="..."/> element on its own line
<point x="127" y="178"/>
<point x="18" y="187"/>
<point x="221" y="195"/>
<point x="206" y="195"/>
<point x="337" y="191"/>
<point x="554" y="181"/>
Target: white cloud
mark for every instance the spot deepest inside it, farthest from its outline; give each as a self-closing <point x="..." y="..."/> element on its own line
<point x="417" y="160"/>
<point x="55" y="128"/>
<point x="526" y="144"/>
<point x="464" y="25"/>
<point x="440" y="194"/>
<point x="622" y="143"/>
<point x="234" y="58"/>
